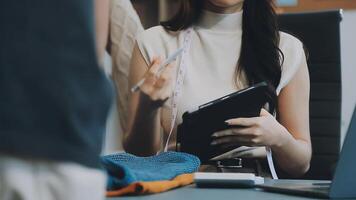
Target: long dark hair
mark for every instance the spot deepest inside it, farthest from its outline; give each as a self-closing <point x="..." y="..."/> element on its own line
<point x="260" y="57"/>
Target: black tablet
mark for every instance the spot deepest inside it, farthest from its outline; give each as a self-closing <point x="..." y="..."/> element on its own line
<point x="194" y="134"/>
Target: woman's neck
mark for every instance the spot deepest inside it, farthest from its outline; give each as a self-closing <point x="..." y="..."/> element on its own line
<point x="224" y="10"/>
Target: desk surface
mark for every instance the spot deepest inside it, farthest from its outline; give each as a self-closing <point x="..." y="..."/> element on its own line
<point x="193" y="193"/>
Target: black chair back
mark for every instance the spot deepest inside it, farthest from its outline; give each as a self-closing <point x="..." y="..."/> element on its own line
<point x="320" y="33"/>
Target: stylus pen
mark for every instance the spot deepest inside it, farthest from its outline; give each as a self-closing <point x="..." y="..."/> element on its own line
<point x="170" y="59"/>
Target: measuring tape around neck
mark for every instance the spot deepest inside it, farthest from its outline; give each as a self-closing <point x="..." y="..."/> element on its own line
<point x="179" y="82"/>
<point x="178" y="91"/>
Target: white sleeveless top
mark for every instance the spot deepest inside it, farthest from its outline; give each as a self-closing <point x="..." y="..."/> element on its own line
<point x="214" y="55"/>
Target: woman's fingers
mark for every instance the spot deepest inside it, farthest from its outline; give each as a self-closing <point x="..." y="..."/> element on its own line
<point x="158" y="81"/>
<point x="228" y="147"/>
<point x="264" y="112"/>
<point x="150" y="76"/>
<point x="165" y="77"/>
<point x="164" y="83"/>
<point x="153" y="70"/>
<point x="234" y="132"/>
<point x="238" y="136"/>
<point x="155" y="65"/>
<point x="243" y="121"/>
<point x="232" y="140"/>
<point x="250" y="131"/>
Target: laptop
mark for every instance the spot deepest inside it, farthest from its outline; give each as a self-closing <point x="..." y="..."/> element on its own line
<point x="343" y="184"/>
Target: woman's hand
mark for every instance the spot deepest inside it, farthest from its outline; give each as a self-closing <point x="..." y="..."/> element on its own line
<point x="143" y="136"/>
<point x="256" y="131"/>
<point x="158" y="86"/>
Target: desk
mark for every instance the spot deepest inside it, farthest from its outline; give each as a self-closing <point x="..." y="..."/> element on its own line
<point x="193" y="193"/>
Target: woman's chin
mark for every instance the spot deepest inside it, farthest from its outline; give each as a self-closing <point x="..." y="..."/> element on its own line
<point x="225" y="3"/>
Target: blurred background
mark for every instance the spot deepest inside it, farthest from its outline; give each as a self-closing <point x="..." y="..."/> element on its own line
<point x="151" y="12"/>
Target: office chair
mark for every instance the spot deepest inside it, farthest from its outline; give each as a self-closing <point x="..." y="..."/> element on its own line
<point x="320" y="33"/>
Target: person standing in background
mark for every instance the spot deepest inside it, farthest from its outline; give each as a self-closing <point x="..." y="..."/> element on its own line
<point x="54" y="100"/>
<point x="124" y="27"/>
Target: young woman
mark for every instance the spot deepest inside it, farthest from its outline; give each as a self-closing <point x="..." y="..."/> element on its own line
<point x="234" y="44"/>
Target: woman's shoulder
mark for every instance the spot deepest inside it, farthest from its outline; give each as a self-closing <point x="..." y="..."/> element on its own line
<point x="156" y="34"/>
<point x="157" y="41"/>
<point x="290" y="42"/>
<point x="294" y="57"/>
<point x="154" y="31"/>
<point x="292" y="48"/>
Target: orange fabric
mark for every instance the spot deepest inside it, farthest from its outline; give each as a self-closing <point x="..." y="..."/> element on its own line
<point x="140" y="188"/>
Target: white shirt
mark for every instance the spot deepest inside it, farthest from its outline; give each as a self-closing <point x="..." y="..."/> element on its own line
<point x="214" y="55"/>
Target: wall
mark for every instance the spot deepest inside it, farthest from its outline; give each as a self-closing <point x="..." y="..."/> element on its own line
<point x="112" y="141"/>
<point x="315" y="5"/>
<point x="348" y="58"/>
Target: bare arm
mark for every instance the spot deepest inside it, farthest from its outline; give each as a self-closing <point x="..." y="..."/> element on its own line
<point x="143" y="136"/>
<point x="294" y="155"/>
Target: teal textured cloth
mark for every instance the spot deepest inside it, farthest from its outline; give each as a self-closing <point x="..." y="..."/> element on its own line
<point x="124" y="169"/>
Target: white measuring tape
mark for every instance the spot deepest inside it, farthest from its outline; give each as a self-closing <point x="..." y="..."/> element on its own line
<point x="178" y="91"/>
<point x="179" y="83"/>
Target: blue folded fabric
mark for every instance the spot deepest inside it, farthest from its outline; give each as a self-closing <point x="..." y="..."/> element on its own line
<point x="124" y="168"/>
